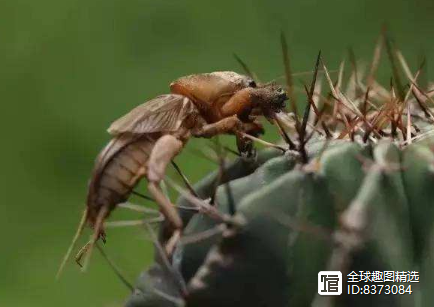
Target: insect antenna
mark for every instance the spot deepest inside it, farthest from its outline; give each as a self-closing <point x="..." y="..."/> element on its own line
<point x="245" y="67"/>
<point x="288" y="75"/>
<point x="115" y="268"/>
<point x="77" y="235"/>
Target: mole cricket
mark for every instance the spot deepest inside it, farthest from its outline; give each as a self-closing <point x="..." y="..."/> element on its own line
<point x="147" y="139"/>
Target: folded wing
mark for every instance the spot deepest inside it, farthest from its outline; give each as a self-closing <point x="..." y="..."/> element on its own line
<point x="164" y="113"/>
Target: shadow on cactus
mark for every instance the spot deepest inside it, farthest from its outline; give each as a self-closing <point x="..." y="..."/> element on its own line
<point x="349" y="188"/>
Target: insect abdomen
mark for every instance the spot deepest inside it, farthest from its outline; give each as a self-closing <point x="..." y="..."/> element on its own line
<point x="117" y="171"/>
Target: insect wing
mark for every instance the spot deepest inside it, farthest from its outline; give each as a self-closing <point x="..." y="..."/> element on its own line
<point x="164" y="113"/>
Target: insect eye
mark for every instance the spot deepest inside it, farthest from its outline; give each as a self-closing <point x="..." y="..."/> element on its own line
<point x="281" y="94"/>
<point x="252" y="83"/>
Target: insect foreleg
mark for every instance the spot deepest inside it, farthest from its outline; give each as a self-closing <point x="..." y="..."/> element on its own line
<point x="166" y="148"/>
<point x="226" y="125"/>
<point x="245" y="146"/>
<point x="254" y="128"/>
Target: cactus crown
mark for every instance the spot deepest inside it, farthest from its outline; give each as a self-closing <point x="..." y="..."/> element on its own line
<point x="348" y="189"/>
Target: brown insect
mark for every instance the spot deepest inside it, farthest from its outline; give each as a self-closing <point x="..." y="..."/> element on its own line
<point x="151" y="135"/>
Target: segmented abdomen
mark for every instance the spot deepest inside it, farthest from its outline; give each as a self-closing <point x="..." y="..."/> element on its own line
<point x="118" y="169"/>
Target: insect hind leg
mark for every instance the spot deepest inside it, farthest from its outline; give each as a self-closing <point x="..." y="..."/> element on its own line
<point x="85" y="248"/>
<point x="81" y="253"/>
<point x="165" y="149"/>
<point x="98" y="233"/>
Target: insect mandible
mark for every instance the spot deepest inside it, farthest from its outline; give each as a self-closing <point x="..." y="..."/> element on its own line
<point x="147" y="139"/>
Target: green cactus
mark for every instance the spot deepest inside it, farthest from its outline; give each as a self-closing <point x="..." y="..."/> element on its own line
<point x="353" y="191"/>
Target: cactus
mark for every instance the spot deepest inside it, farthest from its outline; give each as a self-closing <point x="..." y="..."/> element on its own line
<point x="352" y="189"/>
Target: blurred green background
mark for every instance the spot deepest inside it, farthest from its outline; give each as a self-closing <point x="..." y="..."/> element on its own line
<point x="68" y="68"/>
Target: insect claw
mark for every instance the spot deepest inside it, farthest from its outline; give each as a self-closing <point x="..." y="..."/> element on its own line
<point x="98" y="233"/>
<point x="81" y="253"/>
<point x="102" y="236"/>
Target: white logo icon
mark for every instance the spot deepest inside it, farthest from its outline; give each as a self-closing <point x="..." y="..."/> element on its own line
<point x="330" y="283"/>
